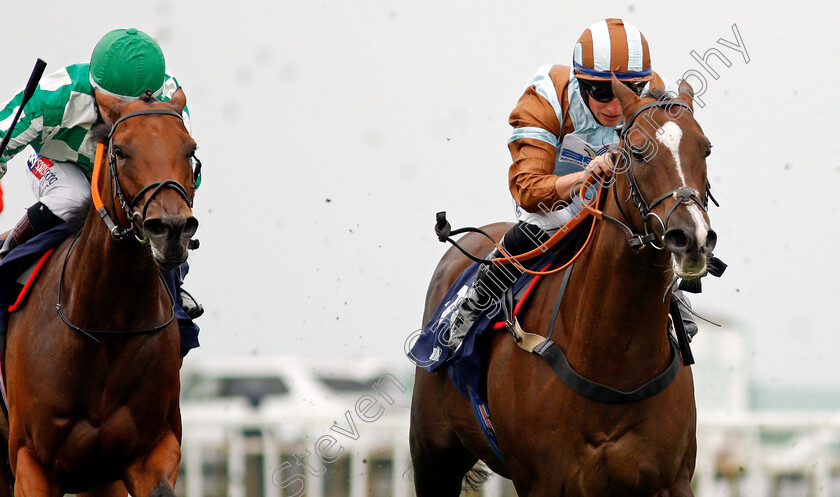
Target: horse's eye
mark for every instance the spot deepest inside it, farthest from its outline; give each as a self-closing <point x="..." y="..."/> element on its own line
<point x="708" y="150"/>
<point x="118" y="153"/>
<point x="638" y="156"/>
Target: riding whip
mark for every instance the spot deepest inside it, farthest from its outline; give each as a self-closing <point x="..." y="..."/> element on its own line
<point x="34" y="78"/>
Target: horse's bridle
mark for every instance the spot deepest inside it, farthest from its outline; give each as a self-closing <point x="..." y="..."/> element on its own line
<point x="134" y="215"/>
<point x="683" y="195"/>
<point x="135" y="218"/>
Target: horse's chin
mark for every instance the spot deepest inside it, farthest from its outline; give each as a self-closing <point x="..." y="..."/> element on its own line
<point x="689" y="269"/>
<point x="170" y="258"/>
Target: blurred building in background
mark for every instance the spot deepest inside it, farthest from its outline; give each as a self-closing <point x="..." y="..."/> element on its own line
<point x="272" y="427"/>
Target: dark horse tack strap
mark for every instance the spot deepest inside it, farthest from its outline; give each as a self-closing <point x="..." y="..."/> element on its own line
<point x="555" y="357"/>
<point x="91" y="333"/>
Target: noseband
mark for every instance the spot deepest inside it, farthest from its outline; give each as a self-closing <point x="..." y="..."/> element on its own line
<point x="135" y="217"/>
<point x="683" y="195"/>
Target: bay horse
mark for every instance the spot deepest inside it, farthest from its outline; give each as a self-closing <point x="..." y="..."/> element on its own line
<point x="93" y="388"/>
<point x="612" y="327"/>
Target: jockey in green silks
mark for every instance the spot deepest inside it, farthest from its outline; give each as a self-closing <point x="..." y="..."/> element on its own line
<point x="57" y="123"/>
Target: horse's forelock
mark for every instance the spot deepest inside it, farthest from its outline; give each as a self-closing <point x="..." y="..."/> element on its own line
<point x="659" y="94"/>
<point x="148" y="97"/>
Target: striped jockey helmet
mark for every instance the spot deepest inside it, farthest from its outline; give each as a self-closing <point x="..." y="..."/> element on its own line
<point x="612" y="45"/>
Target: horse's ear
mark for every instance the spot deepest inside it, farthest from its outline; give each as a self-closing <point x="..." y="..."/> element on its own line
<point x="629" y="100"/>
<point x="108" y="106"/>
<point x="179" y="99"/>
<point x="687" y="94"/>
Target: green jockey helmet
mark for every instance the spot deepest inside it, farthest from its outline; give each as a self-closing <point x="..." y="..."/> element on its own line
<point x="126" y="63"/>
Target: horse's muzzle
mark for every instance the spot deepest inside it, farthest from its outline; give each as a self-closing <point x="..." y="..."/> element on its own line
<point x="169" y="237"/>
<point x="690" y="251"/>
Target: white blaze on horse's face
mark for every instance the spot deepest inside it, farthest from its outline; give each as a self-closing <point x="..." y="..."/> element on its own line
<point x="670" y="135"/>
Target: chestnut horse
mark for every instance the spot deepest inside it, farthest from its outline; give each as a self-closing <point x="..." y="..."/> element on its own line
<point x="93" y="388"/>
<point x="612" y="327"/>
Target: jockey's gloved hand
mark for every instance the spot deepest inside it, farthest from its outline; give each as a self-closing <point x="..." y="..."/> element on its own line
<point x="601" y="166"/>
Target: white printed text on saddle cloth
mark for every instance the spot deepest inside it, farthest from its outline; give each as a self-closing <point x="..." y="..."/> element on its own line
<point x="670" y="135"/>
<point x="41" y="168"/>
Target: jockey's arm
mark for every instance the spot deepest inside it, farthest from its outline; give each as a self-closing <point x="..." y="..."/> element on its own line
<point x="568" y="185"/>
<point x="533" y="148"/>
<point x="29" y="127"/>
<point x="532" y="181"/>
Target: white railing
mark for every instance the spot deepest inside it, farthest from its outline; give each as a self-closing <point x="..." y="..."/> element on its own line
<point x="785" y="453"/>
<point x="743" y="454"/>
<point x="249" y="457"/>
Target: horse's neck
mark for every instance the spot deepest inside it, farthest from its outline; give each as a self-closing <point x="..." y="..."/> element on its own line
<point x="617" y="312"/>
<point x="111" y="284"/>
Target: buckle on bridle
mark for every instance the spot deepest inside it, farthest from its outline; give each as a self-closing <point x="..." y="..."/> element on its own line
<point x="118" y="233"/>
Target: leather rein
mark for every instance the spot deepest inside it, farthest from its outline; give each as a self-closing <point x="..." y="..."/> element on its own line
<point x="547" y="348"/>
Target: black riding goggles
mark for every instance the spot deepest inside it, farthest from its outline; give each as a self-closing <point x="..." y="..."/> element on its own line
<point x="601" y="91"/>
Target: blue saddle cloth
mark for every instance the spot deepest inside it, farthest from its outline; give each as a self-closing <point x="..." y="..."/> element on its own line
<point x="19" y="259"/>
<point x="430" y="351"/>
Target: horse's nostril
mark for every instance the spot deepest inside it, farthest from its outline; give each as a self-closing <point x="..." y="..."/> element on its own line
<point x="154" y="227"/>
<point x="190" y="227"/>
<point x="711" y="241"/>
<point x="677" y="240"/>
<point x="171" y="227"/>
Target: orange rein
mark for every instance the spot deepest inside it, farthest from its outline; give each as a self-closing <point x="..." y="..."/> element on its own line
<point x="589" y="209"/>
<point x="116" y="231"/>
<point x="94" y="183"/>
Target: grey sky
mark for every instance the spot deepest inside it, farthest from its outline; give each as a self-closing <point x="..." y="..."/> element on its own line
<point x="331" y="132"/>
